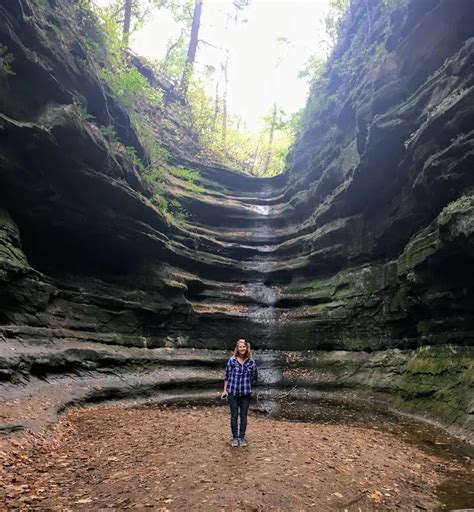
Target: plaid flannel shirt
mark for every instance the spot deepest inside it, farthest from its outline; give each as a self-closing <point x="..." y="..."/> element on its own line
<point x="240" y="377"/>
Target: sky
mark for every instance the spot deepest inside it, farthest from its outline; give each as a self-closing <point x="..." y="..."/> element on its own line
<point x="261" y="70"/>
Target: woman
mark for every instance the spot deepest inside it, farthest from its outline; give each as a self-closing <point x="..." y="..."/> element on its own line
<point x="241" y="372"/>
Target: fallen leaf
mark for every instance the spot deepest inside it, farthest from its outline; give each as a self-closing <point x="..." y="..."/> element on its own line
<point x="84" y="500"/>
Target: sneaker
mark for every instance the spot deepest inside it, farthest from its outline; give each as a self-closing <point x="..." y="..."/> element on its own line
<point x="243" y="442"/>
<point x="235" y="442"/>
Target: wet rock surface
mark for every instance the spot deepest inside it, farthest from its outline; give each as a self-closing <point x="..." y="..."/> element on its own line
<point x="361" y="252"/>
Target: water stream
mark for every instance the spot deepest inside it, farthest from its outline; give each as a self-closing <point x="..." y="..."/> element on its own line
<point x="262" y="295"/>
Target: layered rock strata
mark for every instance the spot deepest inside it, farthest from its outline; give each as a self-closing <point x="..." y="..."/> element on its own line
<point x="361" y="252"/>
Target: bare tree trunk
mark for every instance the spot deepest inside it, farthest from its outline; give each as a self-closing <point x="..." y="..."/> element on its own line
<point x="224" y="101"/>
<point x="127" y="17"/>
<point x="268" y="159"/>
<point x="255" y="158"/>
<point x="173" y="46"/>
<point x="216" y="106"/>
<point x="193" y="43"/>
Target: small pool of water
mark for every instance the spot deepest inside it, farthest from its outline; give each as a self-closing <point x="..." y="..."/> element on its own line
<point x="456" y="493"/>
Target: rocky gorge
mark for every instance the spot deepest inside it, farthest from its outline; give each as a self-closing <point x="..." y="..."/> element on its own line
<point x="350" y="273"/>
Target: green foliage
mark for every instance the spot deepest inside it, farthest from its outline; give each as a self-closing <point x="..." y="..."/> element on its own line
<point x="221" y="135"/>
<point x="129" y="85"/>
<point x="315" y="66"/>
<point x="6" y="61"/>
<point x="174" y="63"/>
<point x="173" y="209"/>
<point x="80" y="104"/>
<point x="88" y="23"/>
<point x="162" y="203"/>
<point x="177" y="211"/>
<point x="109" y="133"/>
<point x="189" y="177"/>
<point x="347" y="64"/>
<point x="156" y="153"/>
<point x="316" y="69"/>
<point x="136" y="160"/>
<point x="156" y="172"/>
<point x="332" y="20"/>
<point x="224" y="137"/>
<point x="313" y="69"/>
<point x="318" y="101"/>
<point x="318" y="104"/>
<point x="141" y="10"/>
<point x="102" y="38"/>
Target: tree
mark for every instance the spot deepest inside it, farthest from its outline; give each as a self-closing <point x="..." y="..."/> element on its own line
<point x="276" y="121"/>
<point x="225" y="68"/>
<point x="127" y="18"/>
<point x="272" y="123"/>
<point x="337" y="9"/>
<point x="193" y="44"/>
<point x="131" y="14"/>
<point x="239" y="6"/>
<point x="174" y="62"/>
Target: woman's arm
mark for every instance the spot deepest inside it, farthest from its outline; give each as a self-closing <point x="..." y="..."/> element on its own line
<point x="254" y="373"/>
<point x="226" y="380"/>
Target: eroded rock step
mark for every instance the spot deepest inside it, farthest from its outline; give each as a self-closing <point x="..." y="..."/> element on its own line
<point x="42" y="380"/>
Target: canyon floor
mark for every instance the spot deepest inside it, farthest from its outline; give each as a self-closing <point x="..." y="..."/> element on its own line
<point x="180" y="458"/>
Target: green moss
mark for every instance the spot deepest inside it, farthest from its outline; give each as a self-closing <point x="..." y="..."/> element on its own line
<point x="448" y="412"/>
<point x="461" y="204"/>
<point x="189" y="177"/>
<point x="6" y="61"/>
<point x="438" y="380"/>
<point x="418" y="250"/>
<point x="436" y="360"/>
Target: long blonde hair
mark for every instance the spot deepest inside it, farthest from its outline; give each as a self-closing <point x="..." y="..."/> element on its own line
<point x="248" y="354"/>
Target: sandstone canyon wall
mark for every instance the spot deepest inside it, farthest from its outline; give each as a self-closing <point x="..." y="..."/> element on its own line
<point x="361" y="253"/>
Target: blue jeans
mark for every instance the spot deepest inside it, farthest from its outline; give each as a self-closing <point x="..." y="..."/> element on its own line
<point x="241" y="402"/>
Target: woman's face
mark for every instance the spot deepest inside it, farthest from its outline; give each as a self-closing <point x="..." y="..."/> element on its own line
<point x="241" y="348"/>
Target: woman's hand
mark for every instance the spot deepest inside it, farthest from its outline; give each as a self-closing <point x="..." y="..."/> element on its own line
<point x="224" y="395"/>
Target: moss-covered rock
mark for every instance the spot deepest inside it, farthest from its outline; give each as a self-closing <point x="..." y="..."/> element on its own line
<point x="439" y="381"/>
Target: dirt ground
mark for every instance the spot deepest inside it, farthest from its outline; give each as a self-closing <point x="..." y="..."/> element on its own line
<point x="171" y="458"/>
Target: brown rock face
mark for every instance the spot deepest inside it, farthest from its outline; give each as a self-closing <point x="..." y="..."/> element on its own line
<point x="364" y="244"/>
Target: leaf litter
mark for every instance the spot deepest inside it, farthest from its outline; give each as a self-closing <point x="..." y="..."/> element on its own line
<point x="170" y="458"/>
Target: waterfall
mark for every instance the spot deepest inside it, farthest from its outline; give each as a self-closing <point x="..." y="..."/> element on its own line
<point x="260" y="294"/>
